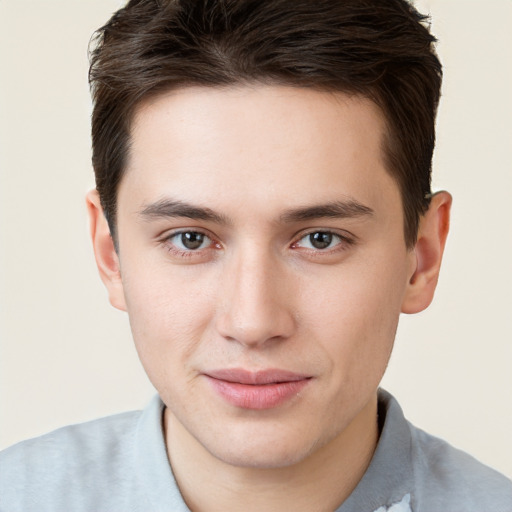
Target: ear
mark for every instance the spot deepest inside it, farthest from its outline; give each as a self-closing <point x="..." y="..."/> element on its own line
<point x="429" y="248"/>
<point x="105" y="253"/>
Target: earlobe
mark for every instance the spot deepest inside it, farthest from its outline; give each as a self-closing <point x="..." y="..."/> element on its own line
<point x="105" y="253"/>
<point x="428" y="251"/>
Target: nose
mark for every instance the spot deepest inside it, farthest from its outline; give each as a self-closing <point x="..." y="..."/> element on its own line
<point x="255" y="308"/>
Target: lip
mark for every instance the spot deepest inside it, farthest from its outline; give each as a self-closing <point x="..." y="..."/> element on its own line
<point x="264" y="389"/>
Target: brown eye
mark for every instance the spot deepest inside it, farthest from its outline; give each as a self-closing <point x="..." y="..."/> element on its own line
<point x="320" y="239"/>
<point x="190" y="240"/>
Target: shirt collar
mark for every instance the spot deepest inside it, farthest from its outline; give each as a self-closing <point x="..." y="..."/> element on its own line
<point x="385" y="486"/>
<point x="389" y="477"/>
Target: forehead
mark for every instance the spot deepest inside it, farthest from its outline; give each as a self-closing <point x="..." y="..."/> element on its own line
<point x="272" y="145"/>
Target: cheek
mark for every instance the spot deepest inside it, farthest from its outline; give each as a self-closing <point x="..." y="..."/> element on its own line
<point x="168" y="314"/>
<point x="355" y="319"/>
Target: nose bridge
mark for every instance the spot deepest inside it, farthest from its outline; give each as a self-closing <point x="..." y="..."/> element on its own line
<point x="255" y="309"/>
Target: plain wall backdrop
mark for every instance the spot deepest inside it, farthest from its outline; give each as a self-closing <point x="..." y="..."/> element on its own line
<point x="67" y="356"/>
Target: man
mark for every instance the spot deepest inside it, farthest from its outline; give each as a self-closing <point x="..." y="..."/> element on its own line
<point x="263" y="213"/>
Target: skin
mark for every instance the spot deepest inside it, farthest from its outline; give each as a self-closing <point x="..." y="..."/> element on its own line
<point x="249" y="164"/>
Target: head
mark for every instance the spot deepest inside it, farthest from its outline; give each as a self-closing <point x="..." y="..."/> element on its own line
<point x="377" y="49"/>
<point x="264" y="169"/>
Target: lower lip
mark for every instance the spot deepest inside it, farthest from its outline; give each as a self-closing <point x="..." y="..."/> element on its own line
<point x="263" y="396"/>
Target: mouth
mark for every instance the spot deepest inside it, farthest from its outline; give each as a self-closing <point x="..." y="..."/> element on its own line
<point x="263" y="389"/>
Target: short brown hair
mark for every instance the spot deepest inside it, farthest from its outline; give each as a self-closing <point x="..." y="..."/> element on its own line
<point x="380" y="49"/>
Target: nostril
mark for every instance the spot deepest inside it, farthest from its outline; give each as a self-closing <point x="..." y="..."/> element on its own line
<point x="257" y="327"/>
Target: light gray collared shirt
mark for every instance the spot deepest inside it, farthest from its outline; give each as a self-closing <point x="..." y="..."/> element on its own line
<point x="119" y="464"/>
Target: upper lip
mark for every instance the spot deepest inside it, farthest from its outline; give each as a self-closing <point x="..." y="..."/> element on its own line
<point x="259" y="377"/>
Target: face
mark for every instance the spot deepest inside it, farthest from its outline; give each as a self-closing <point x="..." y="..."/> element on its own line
<point x="263" y="264"/>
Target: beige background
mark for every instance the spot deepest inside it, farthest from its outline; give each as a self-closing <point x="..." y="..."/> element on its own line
<point x="66" y="355"/>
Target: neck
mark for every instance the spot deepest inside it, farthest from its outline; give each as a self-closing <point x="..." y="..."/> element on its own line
<point x="321" y="482"/>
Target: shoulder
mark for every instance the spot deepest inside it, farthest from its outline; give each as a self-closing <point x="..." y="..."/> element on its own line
<point x="72" y="445"/>
<point x="437" y="476"/>
<point x="450" y="479"/>
<point x="65" y="462"/>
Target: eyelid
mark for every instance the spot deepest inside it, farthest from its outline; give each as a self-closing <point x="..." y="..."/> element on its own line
<point x="345" y="241"/>
<point x="170" y="233"/>
<point x="344" y="235"/>
<point x="179" y="242"/>
<point x="166" y="240"/>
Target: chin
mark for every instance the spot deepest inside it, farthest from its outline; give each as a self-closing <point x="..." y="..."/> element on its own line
<point x="270" y="456"/>
<point x="266" y="448"/>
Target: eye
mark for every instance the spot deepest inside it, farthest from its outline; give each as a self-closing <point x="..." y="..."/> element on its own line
<point x="319" y="240"/>
<point x="190" y="240"/>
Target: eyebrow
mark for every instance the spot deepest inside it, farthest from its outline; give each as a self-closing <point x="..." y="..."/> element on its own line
<point x="337" y="210"/>
<point x="166" y="208"/>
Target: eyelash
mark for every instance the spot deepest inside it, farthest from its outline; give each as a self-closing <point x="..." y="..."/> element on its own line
<point x="344" y="242"/>
<point x="187" y="253"/>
